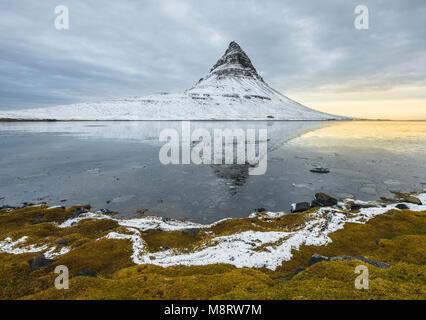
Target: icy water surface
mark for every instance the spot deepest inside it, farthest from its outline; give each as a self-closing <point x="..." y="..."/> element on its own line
<point x="116" y="165"/>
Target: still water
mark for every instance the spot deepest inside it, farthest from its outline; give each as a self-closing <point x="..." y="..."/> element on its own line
<point x="116" y="165"/>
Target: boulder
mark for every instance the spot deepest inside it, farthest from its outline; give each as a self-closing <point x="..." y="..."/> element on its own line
<point x="300" y="207"/>
<point x="62" y="241"/>
<point x="402" y="206"/>
<point x="414" y="200"/>
<point x="38" y="262"/>
<point x="355" y="207"/>
<point x="325" y="200"/>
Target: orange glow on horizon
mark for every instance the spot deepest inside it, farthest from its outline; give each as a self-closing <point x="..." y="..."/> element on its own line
<point x="405" y="103"/>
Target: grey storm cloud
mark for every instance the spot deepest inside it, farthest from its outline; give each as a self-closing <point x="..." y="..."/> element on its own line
<point x="126" y="48"/>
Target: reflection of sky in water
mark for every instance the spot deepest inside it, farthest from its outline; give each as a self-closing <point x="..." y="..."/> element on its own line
<point x="115" y="165"/>
<point x="391" y="136"/>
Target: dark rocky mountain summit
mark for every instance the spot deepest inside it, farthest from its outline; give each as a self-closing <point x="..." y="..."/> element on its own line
<point x="235" y="63"/>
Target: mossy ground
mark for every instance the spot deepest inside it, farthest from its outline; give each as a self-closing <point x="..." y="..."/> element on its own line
<point x="398" y="239"/>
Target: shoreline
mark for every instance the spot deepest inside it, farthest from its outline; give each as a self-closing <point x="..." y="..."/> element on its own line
<point x="273" y="245"/>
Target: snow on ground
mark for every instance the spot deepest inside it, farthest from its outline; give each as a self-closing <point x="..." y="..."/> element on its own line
<point x="19" y="247"/>
<point x="239" y="249"/>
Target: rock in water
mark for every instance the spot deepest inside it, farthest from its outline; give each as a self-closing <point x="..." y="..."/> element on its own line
<point x="38" y="262"/>
<point x="320" y="170"/>
<point x="323" y="200"/>
<point x="414" y="200"/>
<point x="300" y="207"/>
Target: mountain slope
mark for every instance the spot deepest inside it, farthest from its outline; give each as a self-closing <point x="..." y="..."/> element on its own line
<point x="233" y="90"/>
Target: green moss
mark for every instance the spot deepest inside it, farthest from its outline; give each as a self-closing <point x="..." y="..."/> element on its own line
<point x="397" y="239"/>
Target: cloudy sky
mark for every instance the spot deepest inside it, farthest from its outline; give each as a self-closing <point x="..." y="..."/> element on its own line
<point x="308" y="49"/>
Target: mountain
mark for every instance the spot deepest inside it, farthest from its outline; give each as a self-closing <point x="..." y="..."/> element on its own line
<point x="233" y="90"/>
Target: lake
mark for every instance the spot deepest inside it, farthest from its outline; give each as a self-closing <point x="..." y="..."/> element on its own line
<point x="117" y="165"/>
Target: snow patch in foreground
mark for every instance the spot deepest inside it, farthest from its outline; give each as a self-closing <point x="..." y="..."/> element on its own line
<point x="240" y="249"/>
<point x="252" y="249"/>
<point x="18" y="247"/>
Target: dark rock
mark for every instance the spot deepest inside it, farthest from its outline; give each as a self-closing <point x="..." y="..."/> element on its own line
<point x="7" y="207"/>
<point x="106" y="211"/>
<point x="191" y="231"/>
<point x="343" y="258"/>
<point x="325" y="200"/>
<point x="378" y="264"/>
<point x="402" y="206"/>
<point x="355" y="207"/>
<point x="62" y="241"/>
<point x="85" y="273"/>
<point x="38" y="262"/>
<point x="320" y="170"/>
<point x="317" y="258"/>
<point x="79" y="211"/>
<point x="260" y="210"/>
<point x="389" y="213"/>
<point x="316" y="204"/>
<point x="298" y="270"/>
<point x="414" y="200"/>
<point x="300" y="207"/>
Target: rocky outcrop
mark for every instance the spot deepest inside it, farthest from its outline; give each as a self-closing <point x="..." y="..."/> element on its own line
<point x="316" y="258"/>
<point x="38" y="262"/>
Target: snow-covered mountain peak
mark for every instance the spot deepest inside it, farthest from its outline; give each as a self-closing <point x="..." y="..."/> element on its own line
<point x="232" y="90"/>
<point x="234" y="75"/>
